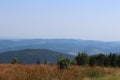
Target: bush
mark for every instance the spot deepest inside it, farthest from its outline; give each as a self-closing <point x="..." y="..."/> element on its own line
<point x="64" y="63"/>
<point x="15" y="61"/>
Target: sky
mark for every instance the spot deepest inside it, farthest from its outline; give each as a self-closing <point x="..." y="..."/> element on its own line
<point x="66" y="19"/>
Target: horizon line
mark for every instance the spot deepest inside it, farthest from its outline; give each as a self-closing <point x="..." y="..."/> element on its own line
<point x="59" y="39"/>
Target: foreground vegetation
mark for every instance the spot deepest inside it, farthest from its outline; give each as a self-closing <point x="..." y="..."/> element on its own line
<point x="51" y="72"/>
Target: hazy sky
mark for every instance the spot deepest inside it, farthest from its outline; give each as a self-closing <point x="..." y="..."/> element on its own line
<point x="73" y="19"/>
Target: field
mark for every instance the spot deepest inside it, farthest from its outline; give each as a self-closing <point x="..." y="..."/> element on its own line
<point x="51" y="72"/>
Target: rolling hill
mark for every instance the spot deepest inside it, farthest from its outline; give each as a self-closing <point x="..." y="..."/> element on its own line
<point x="30" y="56"/>
<point x="70" y="46"/>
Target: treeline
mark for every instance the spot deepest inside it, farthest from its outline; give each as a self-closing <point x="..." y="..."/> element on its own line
<point x="83" y="59"/>
<point x="112" y="59"/>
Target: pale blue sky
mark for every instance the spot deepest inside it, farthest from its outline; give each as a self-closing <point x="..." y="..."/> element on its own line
<point x="71" y="19"/>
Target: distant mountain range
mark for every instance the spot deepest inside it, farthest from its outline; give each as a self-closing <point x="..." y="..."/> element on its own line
<point x="69" y="46"/>
<point x="31" y="56"/>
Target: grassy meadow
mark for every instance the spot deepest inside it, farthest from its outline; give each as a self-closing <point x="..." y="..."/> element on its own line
<point x="51" y="72"/>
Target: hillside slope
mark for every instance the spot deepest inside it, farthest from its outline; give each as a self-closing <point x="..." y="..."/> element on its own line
<point x="32" y="55"/>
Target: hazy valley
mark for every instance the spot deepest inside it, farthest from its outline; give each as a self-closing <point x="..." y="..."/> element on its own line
<point x="69" y="46"/>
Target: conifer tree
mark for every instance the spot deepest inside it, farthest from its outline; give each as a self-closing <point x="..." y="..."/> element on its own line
<point x="15" y="61"/>
<point x="82" y="58"/>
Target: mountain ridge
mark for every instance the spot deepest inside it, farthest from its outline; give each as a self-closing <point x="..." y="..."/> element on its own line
<point x="69" y="46"/>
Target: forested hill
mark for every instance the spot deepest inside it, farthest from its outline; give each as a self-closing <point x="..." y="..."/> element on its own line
<point x="31" y="56"/>
<point x="71" y="46"/>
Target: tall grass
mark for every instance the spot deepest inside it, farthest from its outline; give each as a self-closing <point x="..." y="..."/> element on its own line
<point x="51" y="72"/>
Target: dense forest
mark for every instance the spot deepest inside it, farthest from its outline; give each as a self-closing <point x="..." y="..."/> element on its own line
<point x="83" y="59"/>
<point x="101" y="59"/>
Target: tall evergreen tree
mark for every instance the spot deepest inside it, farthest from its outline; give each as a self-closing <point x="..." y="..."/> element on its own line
<point x="100" y="59"/>
<point x="118" y="61"/>
<point x="93" y="60"/>
<point x="107" y="61"/>
<point x="38" y="61"/>
<point x="45" y="61"/>
<point x="15" y="61"/>
<point x="82" y="58"/>
<point x="114" y="60"/>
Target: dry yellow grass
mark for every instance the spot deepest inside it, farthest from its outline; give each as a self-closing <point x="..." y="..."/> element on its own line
<point x="51" y="72"/>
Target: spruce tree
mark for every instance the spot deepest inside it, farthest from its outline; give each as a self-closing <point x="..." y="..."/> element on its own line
<point x="15" y="61"/>
<point x="82" y="58"/>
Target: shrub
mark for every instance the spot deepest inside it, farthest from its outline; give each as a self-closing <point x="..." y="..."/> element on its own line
<point x="15" y="61"/>
<point x="64" y="63"/>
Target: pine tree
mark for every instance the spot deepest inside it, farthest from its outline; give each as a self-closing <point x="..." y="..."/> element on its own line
<point x="101" y="59"/>
<point x="45" y="62"/>
<point x="93" y="60"/>
<point x="38" y="61"/>
<point x="15" y="61"/>
<point x="114" y="60"/>
<point x="82" y="59"/>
